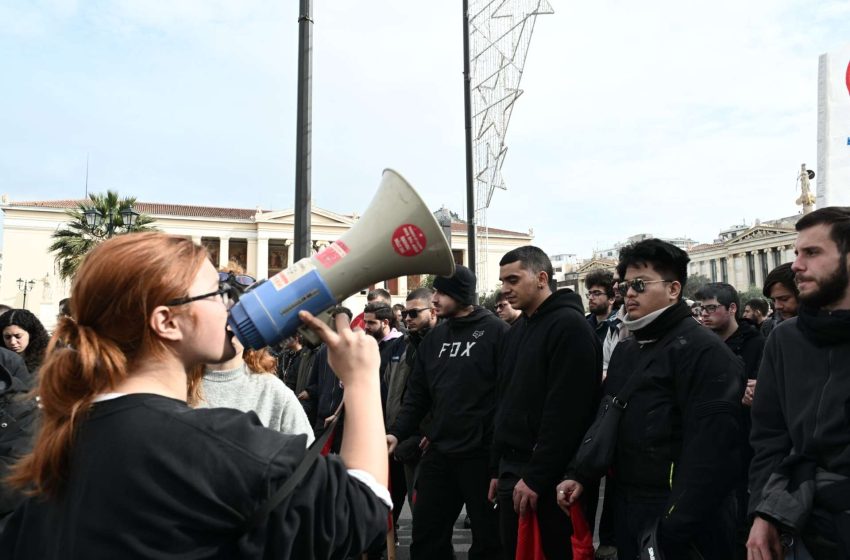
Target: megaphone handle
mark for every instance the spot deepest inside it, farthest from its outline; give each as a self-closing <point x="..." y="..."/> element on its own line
<point x="309" y="336"/>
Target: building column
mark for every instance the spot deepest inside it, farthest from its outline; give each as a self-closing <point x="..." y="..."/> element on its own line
<point x="290" y="254"/>
<point x="251" y="258"/>
<point x="740" y="272"/>
<point x="789" y="255"/>
<point x="757" y="262"/>
<point x="402" y="288"/>
<point x="262" y="257"/>
<point x="223" y="251"/>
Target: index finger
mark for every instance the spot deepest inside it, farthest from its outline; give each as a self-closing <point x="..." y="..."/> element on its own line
<point x="326" y="334"/>
<point x="342" y="323"/>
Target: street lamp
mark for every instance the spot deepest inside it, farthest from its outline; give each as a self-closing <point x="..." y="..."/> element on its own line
<point x="25" y="286"/>
<point x="95" y="218"/>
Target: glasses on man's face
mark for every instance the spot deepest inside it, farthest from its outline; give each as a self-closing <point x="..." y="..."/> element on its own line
<point x="413" y="313"/>
<point x="638" y="285"/>
<point x="594" y="294"/>
<point x="224" y="291"/>
<point x="502" y="305"/>
<point x="710" y="308"/>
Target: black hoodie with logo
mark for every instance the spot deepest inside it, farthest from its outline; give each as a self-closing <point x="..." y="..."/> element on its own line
<point x="454" y="377"/>
<point x="550" y="379"/>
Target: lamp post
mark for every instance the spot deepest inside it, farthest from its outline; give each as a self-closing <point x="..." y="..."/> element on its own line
<point x="95" y="219"/>
<point x="25" y="286"/>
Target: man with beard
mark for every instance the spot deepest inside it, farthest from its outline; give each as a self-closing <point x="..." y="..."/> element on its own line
<point x="600" y="300"/>
<point x="420" y="319"/>
<point x="548" y="391"/>
<point x="755" y="311"/>
<point x="677" y="455"/>
<point x="454" y="378"/>
<point x="801" y="428"/>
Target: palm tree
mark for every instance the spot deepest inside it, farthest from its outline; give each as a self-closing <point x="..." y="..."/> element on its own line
<point x="78" y="237"/>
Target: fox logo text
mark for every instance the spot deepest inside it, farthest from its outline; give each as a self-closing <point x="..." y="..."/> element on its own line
<point x="454" y="348"/>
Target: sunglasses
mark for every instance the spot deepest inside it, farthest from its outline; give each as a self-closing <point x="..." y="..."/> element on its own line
<point x="638" y="285"/>
<point x="413" y="313"/>
<point x="239" y="279"/>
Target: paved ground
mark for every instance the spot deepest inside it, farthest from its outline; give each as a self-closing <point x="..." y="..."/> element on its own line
<point x="462" y="538"/>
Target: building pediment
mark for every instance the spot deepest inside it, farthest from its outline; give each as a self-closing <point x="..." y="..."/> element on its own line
<point x="758" y="232"/>
<point x="597" y="263"/>
<point x="318" y="217"/>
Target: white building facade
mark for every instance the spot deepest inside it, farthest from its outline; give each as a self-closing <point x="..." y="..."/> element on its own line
<point x="259" y="241"/>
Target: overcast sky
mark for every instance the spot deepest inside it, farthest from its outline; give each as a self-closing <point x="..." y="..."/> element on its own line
<point x="668" y="117"/>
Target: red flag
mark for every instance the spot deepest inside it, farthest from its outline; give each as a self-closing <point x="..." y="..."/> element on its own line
<point x="528" y="543"/>
<point x="582" y="539"/>
<point x="328" y="444"/>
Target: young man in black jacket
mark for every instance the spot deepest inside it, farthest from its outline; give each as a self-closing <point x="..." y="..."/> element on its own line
<point x="719" y="305"/>
<point x="800" y="475"/>
<point x="454" y="378"/>
<point x="678" y="448"/>
<point x="549" y="390"/>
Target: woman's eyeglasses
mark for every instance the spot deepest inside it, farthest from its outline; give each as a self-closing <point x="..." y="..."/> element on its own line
<point x="413" y="313"/>
<point x="638" y="285"/>
<point x="225" y="291"/>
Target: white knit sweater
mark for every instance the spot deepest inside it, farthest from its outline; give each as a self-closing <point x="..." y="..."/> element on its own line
<point x="276" y="405"/>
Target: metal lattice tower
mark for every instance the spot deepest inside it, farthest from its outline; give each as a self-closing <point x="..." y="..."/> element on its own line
<point x="499" y="36"/>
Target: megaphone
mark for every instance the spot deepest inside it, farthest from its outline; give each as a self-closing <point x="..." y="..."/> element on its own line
<point x="396" y="236"/>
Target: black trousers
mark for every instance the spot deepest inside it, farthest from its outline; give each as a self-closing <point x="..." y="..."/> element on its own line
<point x="634" y="515"/>
<point x="443" y="486"/>
<point x="555" y="526"/>
<point x="398" y="488"/>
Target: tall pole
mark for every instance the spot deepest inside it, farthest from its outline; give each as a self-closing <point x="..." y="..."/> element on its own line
<point x="303" y="142"/>
<point x="467" y="109"/>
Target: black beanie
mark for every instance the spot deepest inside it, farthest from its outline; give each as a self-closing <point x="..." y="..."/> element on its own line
<point x="460" y="286"/>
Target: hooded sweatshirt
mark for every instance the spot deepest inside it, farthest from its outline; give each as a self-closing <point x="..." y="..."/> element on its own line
<point x="454" y="377"/>
<point x="549" y="390"/>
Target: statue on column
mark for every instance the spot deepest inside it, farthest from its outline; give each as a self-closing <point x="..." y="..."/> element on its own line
<point x="806" y="199"/>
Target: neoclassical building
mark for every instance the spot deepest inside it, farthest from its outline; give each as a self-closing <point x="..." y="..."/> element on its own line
<point x="260" y="241"/>
<point x="743" y="256"/>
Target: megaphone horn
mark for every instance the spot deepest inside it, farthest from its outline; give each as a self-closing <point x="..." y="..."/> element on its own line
<point x="396" y="236"/>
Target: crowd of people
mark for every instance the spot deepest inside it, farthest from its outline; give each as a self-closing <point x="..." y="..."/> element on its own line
<point x="706" y="428"/>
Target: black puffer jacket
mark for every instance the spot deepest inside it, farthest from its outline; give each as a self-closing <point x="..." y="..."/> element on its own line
<point x="680" y="436"/>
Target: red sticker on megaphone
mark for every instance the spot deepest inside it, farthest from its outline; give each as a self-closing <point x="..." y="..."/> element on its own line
<point x="408" y="240"/>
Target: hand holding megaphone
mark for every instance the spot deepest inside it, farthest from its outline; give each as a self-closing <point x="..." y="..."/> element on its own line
<point x="396" y="236"/>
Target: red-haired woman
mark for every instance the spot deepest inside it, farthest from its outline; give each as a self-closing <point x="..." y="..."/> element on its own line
<point x="123" y="468"/>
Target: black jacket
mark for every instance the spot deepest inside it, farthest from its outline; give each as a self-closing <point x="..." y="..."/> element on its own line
<point x="680" y="435"/>
<point x="800" y="406"/>
<point x="454" y="377"/>
<point x="151" y="478"/>
<point x="18" y="415"/>
<point x="549" y="390"/>
<point x="748" y="344"/>
<point x="16" y="366"/>
<point x="324" y="389"/>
